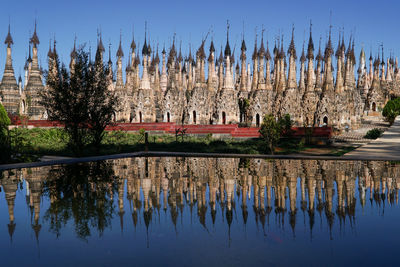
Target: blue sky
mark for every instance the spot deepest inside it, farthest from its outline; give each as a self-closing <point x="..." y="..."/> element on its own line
<point x="372" y="22"/>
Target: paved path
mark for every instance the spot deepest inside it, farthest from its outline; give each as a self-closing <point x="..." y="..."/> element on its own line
<point x="386" y="147"/>
<point x="356" y="137"/>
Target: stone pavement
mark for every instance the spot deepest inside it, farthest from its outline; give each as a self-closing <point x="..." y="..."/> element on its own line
<point x="386" y="147"/>
<point x="356" y="137"/>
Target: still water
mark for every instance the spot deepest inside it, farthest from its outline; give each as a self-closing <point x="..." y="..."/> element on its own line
<point x="201" y="211"/>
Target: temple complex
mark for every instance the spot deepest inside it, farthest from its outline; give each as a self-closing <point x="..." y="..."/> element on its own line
<point x="320" y="88"/>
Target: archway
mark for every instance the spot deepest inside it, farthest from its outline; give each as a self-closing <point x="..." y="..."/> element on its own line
<point x="140" y="116"/>
<point x="223" y="117"/>
<point x="257" y="120"/>
<point x="168" y="117"/>
<point x="194" y="117"/>
<point x="373" y="106"/>
<point x="325" y="120"/>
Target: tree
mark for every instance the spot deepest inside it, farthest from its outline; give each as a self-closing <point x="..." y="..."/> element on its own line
<point x="271" y="131"/>
<point x="79" y="99"/>
<point x="103" y="103"/>
<point x="391" y="110"/>
<point x="4" y="140"/>
<point x="4" y="119"/>
<point x="286" y="124"/>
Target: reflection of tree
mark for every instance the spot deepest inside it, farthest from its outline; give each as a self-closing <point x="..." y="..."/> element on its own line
<point x="82" y="193"/>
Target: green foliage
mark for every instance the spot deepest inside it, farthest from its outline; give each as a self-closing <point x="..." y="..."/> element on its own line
<point x="142" y="132"/>
<point x="271" y="131"/>
<point x="373" y="133"/>
<point x="391" y="110"/>
<point x="4" y="119"/>
<point x="80" y="99"/>
<point x="180" y="132"/>
<point x="103" y="103"/>
<point x="308" y="131"/>
<point x="286" y="125"/>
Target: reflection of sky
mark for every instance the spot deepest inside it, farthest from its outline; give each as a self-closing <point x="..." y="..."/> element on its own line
<point x="369" y="239"/>
<point x="373" y="22"/>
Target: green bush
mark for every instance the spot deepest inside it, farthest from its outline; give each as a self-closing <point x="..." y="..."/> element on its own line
<point x="271" y="131"/>
<point x="4" y="137"/>
<point x="4" y="119"/>
<point x="286" y="125"/>
<point x="373" y="134"/>
<point x="391" y="110"/>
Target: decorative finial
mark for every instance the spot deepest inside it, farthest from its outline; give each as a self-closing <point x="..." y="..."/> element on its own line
<point x="292" y="31"/>
<point x="227" y="47"/>
<point x="227" y="29"/>
<point x="256" y="33"/>
<point x="243" y="32"/>
<point x="9" y="41"/>
<point x="109" y="52"/>
<point x="262" y="32"/>
<point x="90" y="52"/>
<point x="34" y="39"/>
<point x="50" y="53"/>
<point x="145" y="30"/>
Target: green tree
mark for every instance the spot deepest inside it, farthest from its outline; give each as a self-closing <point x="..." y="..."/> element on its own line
<point x="271" y="130"/>
<point x="4" y="140"/>
<point x="286" y="124"/>
<point x="391" y="110"/>
<point x="103" y="103"/>
<point x="80" y="99"/>
<point x="4" y="119"/>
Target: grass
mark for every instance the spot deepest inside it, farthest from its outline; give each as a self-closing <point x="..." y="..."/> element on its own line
<point x="37" y="142"/>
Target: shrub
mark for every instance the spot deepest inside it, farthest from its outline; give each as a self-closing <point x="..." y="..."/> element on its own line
<point x="4" y="119"/>
<point x="286" y="124"/>
<point x="4" y="138"/>
<point x="271" y="131"/>
<point x="391" y="110"/>
<point x="373" y="134"/>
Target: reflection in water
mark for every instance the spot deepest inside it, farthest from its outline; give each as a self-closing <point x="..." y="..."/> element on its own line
<point x="90" y="195"/>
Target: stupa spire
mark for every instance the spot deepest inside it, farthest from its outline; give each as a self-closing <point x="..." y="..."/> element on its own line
<point x="227" y="46"/>
<point x="9" y="41"/>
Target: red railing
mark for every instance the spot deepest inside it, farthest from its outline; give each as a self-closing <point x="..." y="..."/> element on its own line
<point x="169" y="127"/>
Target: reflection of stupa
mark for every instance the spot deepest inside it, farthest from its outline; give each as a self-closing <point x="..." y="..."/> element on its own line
<point x="10" y="186"/>
<point x="324" y="189"/>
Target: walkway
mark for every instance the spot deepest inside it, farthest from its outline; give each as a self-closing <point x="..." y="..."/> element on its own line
<point x="386" y="147"/>
<point x="356" y="137"/>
